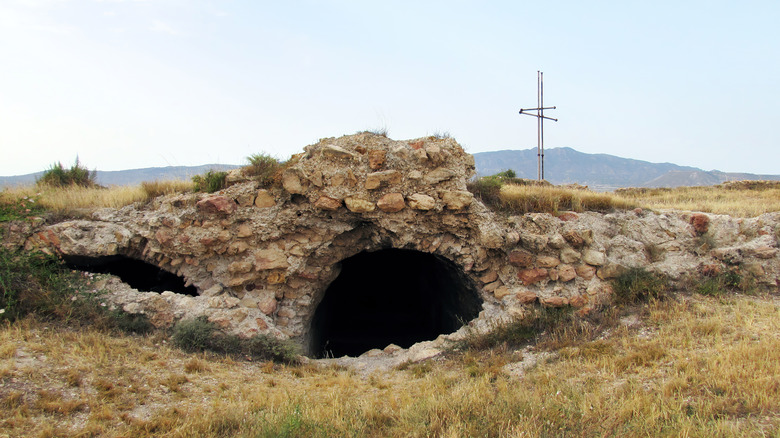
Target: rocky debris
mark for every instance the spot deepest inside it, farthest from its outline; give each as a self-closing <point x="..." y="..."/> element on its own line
<point x="263" y="258"/>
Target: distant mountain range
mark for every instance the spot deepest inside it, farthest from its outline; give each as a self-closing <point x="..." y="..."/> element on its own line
<point x="561" y="166"/>
<point x="128" y="177"/>
<point x="601" y="171"/>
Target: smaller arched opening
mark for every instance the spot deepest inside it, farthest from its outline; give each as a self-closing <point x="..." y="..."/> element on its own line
<point x="391" y="296"/>
<point x="140" y="275"/>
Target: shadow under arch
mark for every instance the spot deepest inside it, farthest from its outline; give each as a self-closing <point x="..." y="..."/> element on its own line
<point x="391" y="296"/>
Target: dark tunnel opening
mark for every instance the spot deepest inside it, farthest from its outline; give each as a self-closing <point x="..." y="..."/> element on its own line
<point x="391" y="296"/>
<point x="140" y="275"/>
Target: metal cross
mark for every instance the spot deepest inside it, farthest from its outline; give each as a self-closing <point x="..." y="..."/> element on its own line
<point x="539" y="123"/>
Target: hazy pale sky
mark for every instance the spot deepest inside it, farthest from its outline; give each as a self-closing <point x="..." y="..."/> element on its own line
<point x="143" y="83"/>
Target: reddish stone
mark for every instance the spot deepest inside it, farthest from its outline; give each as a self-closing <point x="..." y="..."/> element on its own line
<point x="217" y="204"/>
<point x="700" y="222"/>
<point x="417" y="145"/>
<point x="547" y="262"/>
<point x="529" y="276"/>
<point x="554" y="301"/>
<point x="566" y="273"/>
<point x="568" y="216"/>
<point x="574" y="238"/>
<point x="376" y="158"/>
<point x="489" y="277"/>
<point x="207" y="241"/>
<point x="391" y="202"/>
<point x="49" y="238"/>
<point x="327" y="203"/>
<point x="526" y="297"/>
<point x="521" y="258"/>
<point x="164" y="236"/>
<point x="585" y="271"/>
<point x="578" y="300"/>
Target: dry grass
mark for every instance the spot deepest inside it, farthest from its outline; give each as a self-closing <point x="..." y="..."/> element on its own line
<point x="154" y="189"/>
<point x="71" y="198"/>
<point x="63" y="199"/>
<point x="554" y="199"/>
<point x="700" y="367"/>
<point x="743" y="198"/>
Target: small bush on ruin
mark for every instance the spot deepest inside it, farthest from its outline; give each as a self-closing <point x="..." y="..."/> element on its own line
<point x="382" y="131"/>
<point x="77" y="175"/>
<point x="636" y="285"/>
<point x="720" y="282"/>
<point x="199" y="334"/>
<point x="210" y="181"/>
<point x="264" y="168"/>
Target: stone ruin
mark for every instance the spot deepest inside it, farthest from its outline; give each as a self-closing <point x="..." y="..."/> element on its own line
<point x="370" y="243"/>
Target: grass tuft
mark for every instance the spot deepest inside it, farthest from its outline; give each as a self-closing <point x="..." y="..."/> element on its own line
<point x="635" y="285"/>
<point x="518" y="331"/>
<point x="199" y="334"/>
<point x="153" y="189"/>
<point x="77" y="175"/>
<point x="265" y="169"/>
<point x="210" y="181"/>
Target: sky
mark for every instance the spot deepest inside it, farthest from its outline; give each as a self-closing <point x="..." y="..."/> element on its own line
<point x="124" y="84"/>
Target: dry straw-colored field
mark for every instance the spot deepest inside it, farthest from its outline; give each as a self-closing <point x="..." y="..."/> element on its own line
<point x="694" y="366"/>
<point x="742" y="199"/>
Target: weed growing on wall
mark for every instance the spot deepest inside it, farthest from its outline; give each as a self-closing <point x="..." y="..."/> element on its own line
<point x="264" y="168"/>
<point x="210" y="181"/>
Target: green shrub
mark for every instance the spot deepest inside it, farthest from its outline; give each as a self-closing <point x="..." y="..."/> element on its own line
<point x="77" y="175"/>
<point x="131" y="322"/>
<point x="722" y="282"/>
<point x="194" y="335"/>
<point x="635" y="285"/>
<point x="210" y="182"/>
<point x="264" y="168"/>
<point x="710" y="287"/>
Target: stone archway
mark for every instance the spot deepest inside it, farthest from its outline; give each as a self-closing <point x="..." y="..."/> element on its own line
<point x="140" y="275"/>
<point x="391" y="296"/>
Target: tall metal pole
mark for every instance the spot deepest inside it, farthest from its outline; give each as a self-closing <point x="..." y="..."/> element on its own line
<point x="539" y="123"/>
<point x="539" y="127"/>
<point x="541" y="119"/>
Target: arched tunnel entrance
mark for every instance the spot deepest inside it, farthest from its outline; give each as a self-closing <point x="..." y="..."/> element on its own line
<point x="140" y="275"/>
<point x="391" y="296"/>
